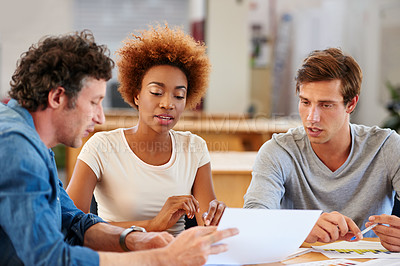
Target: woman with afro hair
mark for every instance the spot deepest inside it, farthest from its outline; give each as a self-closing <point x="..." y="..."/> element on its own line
<point x="150" y="175"/>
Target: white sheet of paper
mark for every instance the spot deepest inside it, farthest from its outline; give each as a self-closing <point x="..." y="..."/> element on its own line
<point x="264" y="235"/>
<point x="298" y="252"/>
<point x="380" y="262"/>
<point x="362" y="244"/>
<point x="356" y="250"/>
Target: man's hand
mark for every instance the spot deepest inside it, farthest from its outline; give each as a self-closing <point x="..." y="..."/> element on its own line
<point x="333" y="226"/>
<point x="193" y="246"/>
<point x="388" y="230"/>
<point x="141" y="241"/>
<point x="213" y="215"/>
<point x="172" y="210"/>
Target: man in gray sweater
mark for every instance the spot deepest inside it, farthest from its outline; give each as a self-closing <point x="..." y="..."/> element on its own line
<point x="349" y="171"/>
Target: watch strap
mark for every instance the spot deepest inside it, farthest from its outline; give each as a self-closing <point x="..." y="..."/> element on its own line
<point x="124" y="233"/>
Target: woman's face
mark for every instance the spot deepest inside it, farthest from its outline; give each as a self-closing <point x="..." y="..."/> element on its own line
<point x="162" y="97"/>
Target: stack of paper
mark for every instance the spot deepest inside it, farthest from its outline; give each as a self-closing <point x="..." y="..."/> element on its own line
<point x="336" y="262"/>
<point x="356" y="250"/>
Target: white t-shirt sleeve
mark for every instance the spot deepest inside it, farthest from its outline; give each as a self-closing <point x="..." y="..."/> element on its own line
<point x="205" y="155"/>
<point x="94" y="154"/>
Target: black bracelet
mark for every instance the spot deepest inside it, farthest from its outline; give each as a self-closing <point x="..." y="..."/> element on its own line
<point x="124" y="233"/>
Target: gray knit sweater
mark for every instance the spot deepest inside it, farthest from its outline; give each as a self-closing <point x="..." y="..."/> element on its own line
<point x="288" y="174"/>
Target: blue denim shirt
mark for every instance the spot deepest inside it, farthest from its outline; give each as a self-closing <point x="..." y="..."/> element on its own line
<point x="39" y="223"/>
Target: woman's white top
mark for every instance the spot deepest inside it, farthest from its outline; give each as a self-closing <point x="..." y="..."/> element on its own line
<point x="129" y="189"/>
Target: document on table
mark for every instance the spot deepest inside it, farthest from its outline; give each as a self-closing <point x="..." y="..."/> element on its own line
<point x="380" y="262"/>
<point x="356" y="250"/>
<point x="298" y="252"/>
<point x="264" y="235"/>
<point x="335" y="262"/>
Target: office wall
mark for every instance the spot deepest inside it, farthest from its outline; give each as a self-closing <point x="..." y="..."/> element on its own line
<point x="372" y="36"/>
<point x="23" y="22"/>
<point x="302" y="26"/>
<point x="113" y="21"/>
<point x="367" y="29"/>
<point x="228" y="48"/>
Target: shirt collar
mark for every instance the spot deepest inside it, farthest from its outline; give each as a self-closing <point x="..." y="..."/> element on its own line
<point x="14" y="105"/>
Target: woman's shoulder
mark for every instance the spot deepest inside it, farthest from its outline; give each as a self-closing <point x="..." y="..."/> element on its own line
<point x="109" y="134"/>
<point x="106" y="137"/>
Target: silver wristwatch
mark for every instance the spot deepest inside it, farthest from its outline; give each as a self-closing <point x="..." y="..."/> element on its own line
<point x="124" y="233"/>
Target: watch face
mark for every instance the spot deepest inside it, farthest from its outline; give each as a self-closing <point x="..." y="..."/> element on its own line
<point x="124" y="234"/>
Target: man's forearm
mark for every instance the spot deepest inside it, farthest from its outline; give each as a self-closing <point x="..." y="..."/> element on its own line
<point x="103" y="237"/>
<point x="191" y="246"/>
<point x="147" y="257"/>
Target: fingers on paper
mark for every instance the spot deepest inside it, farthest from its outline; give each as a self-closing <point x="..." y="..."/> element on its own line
<point x="333" y="226"/>
<point x="390" y="243"/>
<point x="388" y="230"/>
<point x="211" y="236"/>
<point x="217" y="236"/>
<point x="317" y="234"/>
<point x="353" y="229"/>
<point x="214" y="214"/>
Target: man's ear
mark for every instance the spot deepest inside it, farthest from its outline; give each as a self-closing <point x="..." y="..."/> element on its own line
<point x="57" y="97"/>
<point x="352" y="105"/>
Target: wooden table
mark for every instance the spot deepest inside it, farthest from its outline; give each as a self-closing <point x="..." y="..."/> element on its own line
<point x="231" y="173"/>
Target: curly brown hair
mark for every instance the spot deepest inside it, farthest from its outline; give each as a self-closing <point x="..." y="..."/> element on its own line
<point x="162" y="46"/>
<point x="329" y="64"/>
<point x="65" y="61"/>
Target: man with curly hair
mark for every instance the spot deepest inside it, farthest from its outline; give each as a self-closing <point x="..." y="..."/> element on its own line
<point x="57" y="92"/>
<point x="150" y="175"/>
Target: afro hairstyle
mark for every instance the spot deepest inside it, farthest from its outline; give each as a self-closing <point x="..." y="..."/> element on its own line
<point x="162" y="46"/>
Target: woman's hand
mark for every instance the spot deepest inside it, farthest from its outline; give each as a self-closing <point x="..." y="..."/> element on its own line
<point x="215" y="210"/>
<point x="173" y="209"/>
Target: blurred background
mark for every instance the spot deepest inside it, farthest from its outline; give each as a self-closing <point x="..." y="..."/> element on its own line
<point x="255" y="46"/>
